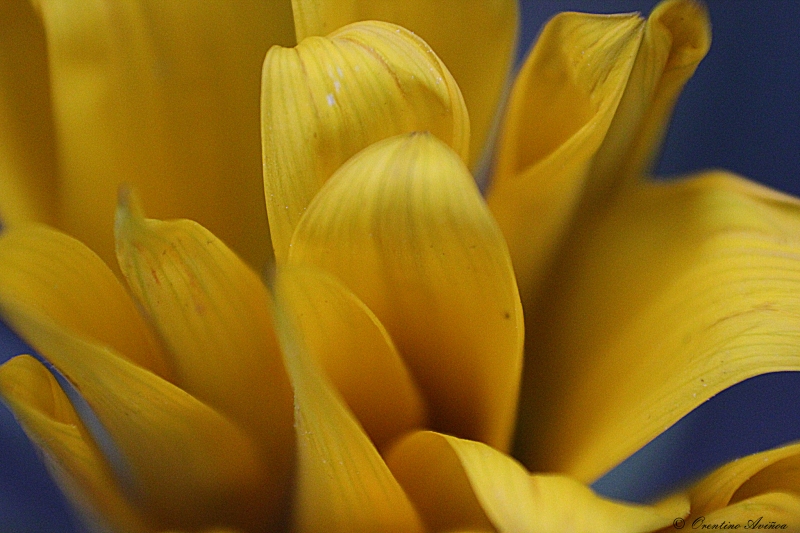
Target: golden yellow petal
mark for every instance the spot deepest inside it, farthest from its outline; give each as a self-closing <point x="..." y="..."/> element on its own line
<point x="50" y="421"/>
<point x="162" y="95"/>
<point x="27" y="139"/>
<point x="356" y="352"/>
<point x="404" y="226"/>
<point x="678" y="291"/>
<point x="328" y="98"/>
<point x="676" y="38"/>
<point x="52" y="274"/>
<point x="476" y="39"/>
<point x="465" y="484"/>
<point x="773" y="471"/>
<point x="341" y="482"/>
<point x="213" y="314"/>
<point x="187" y="465"/>
<point x="561" y="107"/>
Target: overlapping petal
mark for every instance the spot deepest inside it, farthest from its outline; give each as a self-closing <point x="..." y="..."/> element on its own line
<point x="161" y="95"/>
<point x="678" y="291"/>
<point x="356" y="353"/>
<point x="54" y="275"/>
<point x="561" y="107"/>
<point x="328" y="98"/>
<point x="461" y="484"/>
<point x="765" y="485"/>
<point x="404" y="226"/>
<point x="213" y="314"/>
<point x="71" y="455"/>
<point x="476" y="39"/>
<point x="341" y="482"/>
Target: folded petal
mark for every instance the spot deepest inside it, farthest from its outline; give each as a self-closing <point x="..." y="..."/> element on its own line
<point x="460" y="484"/>
<point x="404" y="226"/>
<point x="27" y="138"/>
<point x="775" y="471"/>
<point x="163" y="96"/>
<point x="774" y="511"/>
<point x="341" y="482"/>
<point x="676" y="38"/>
<point x="73" y="459"/>
<point x="676" y="292"/>
<point x="356" y="353"/>
<point x="476" y="39"/>
<point x="187" y="465"/>
<point x="561" y="107"/>
<point x="328" y="98"/>
<point x="52" y="274"/>
<point x="213" y="314"/>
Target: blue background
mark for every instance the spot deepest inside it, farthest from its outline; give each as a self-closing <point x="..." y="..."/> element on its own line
<point x="739" y="112"/>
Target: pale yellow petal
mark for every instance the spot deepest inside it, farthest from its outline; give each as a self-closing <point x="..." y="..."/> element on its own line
<point x="27" y="140"/>
<point x="678" y="291"/>
<point x="676" y="38"/>
<point x="561" y="107"/>
<point x="328" y="98"/>
<point x="187" y="465"/>
<point x="50" y="273"/>
<point x="465" y="484"/>
<point x="772" y="471"/>
<point x="404" y="226"/>
<point x="356" y="353"/>
<point x="162" y="95"/>
<point x="341" y="482"/>
<point x="476" y="39"/>
<point x="213" y="314"/>
<point x="77" y="465"/>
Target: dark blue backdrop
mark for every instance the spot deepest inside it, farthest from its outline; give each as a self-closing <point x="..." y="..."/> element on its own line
<point x="739" y="112"/>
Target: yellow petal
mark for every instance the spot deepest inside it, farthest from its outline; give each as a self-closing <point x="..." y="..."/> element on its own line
<point x="355" y="351"/>
<point x="52" y="274"/>
<point x="561" y="107"/>
<point x="465" y="484"/>
<point x="341" y="482"/>
<point x="163" y="96"/>
<point x="72" y="457"/>
<point x="27" y="139"/>
<point x="773" y="471"/>
<point x="328" y="98"/>
<point x="774" y="511"/>
<point x="676" y="38"/>
<point x="404" y="226"/>
<point x="187" y="465"/>
<point x="476" y="39"/>
<point x="213" y="314"/>
<point x="677" y="292"/>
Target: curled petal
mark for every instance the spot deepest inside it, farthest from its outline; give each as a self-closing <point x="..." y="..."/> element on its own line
<point x="404" y="226"/>
<point x="328" y="98"/>
<point x="763" y="475"/>
<point x="213" y="314"/>
<point x="678" y="291"/>
<point x="73" y="459"/>
<point x="677" y="37"/>
<point x="341" y="482"/>
<point x="464" y="484"/>
<point x="561" y="107"/>
<point x="476" y="39"/>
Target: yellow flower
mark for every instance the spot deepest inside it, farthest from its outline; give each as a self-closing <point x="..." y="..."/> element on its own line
<point x="370" y="380"/>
